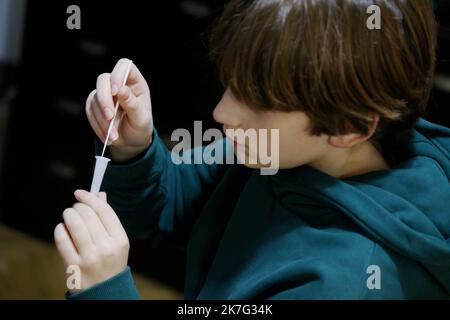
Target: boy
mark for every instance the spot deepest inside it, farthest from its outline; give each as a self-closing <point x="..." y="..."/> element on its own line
<point x="359" y="208"/>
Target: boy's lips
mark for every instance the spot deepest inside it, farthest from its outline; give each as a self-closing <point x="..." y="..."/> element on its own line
<point x="236" y="144"/>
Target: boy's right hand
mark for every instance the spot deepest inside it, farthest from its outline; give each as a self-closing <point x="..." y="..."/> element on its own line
<point x="133" y="127"/>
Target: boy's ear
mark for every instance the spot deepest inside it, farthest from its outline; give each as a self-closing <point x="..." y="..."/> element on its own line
<point x="351" y="139"/>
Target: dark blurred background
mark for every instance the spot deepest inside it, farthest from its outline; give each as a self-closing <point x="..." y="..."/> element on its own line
<point x="47" y="71"/>
<point x="47" y="144"/>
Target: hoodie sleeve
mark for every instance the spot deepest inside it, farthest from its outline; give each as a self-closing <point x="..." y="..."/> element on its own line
<point x="152" y="193"/>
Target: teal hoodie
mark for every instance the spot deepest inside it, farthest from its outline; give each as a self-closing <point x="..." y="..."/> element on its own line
<point x="299" y="234"/>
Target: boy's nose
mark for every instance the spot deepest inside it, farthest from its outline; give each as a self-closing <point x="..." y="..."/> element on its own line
<point x="227" y="112"/>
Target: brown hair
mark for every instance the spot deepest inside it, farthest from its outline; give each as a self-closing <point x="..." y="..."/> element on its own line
<point x="319" y="57"/>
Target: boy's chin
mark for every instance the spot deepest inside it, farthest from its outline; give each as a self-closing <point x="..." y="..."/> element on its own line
<point x="244" y="159"/>
<point x="251" y="163"/>
<point x="251" y="166"/>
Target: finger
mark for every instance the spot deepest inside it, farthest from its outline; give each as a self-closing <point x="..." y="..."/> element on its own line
<point x="65" y="245"/>
<point x="104" y="125"/>
<point x="104" y="96"/>
<point x="103" y="196"/>
<point x="106" y="214"/>
<point x="118" y="122"/>
<point x="128" y="100"/>
<point x="77" y="230"/>
<point x="96" y="229"/>
<point x="119" y="73"/>
<point x="137" y="117"/>
<point x="93" y="119"/>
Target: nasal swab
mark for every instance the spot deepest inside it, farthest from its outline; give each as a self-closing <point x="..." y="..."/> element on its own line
<point x="101" y="162"/>
<point x="111" y="125"/>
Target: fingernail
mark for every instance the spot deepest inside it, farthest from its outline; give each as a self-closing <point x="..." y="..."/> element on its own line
<point x="80" y="193"/>
<point x="108" y="114"/>
<point x="114" y="136"/>
<point x="58" y="229"/>
<point x="114" y="89"/>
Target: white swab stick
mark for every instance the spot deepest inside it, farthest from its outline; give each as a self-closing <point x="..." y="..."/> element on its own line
<point x="116" y="108"/>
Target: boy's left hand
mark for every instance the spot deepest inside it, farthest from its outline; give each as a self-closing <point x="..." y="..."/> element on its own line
<point x="92" y="238"/>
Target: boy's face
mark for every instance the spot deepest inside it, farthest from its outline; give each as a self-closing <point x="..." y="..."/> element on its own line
<point x="296" y="146"/>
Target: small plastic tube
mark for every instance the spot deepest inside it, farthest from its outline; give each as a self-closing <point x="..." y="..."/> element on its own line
<point x="101" y="163"/>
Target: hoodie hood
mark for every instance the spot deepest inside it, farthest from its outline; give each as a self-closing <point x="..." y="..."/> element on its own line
<point x="405" y="208"/>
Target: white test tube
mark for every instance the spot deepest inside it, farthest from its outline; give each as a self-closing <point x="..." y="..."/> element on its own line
<point x="101" y="163"/>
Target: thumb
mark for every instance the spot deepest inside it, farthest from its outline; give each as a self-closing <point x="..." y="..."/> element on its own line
<point x="130" y="104"/>
<point x="102" y="195"/>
